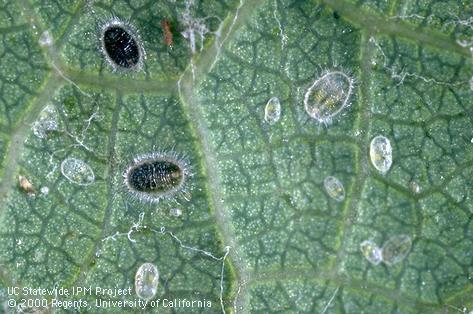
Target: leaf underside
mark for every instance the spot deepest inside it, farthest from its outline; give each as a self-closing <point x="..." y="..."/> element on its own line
<point x="255" y="187"/>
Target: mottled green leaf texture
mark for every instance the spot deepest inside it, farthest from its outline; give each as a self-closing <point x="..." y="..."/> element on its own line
<point x="270" y="156"/>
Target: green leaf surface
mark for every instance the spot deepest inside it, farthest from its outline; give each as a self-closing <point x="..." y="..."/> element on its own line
<point x="258" y="232"/>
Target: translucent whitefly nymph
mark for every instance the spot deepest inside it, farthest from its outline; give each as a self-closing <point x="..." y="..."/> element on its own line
<point x="371" y="252"/>
<point x="77" y="171"/>
<point x="396" y="249"/>
<point x="381" y="153"/>
<point x="121" y="45"/>
<point x="334" y="188"/>
<point x="45" y="40"/>
<point x="328" y="96"/>
<point x="415" y="187"/>
<point x="156" y="176"/>
<point x="272" y="111"/>
<point x="47" y="122"/>
<point x="146" y="281"/>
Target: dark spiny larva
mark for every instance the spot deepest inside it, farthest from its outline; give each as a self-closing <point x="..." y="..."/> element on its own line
<point x="156" y="176"/>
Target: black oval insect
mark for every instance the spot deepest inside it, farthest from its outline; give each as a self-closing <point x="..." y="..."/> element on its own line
<point x="156" y="176"/>
<point x="120" y="46"/>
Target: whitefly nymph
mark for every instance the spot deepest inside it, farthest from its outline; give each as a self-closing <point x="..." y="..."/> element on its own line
<point x="328" y="96"/>
<point x="157" y="176"/>
<point x="121" y="45"/>
<point x="147" y="281"/>
<point x="381" y="153"/>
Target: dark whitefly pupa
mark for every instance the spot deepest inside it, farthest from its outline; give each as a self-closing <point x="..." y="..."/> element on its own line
<point x="121" y="45"/>
<point x="334" y="188"/>
<point x="328" y="96"/>
<point x="146" y="281"/>
<point x="371" y="252"/>
<point x="381" y="153"/>
<point x="272" y="110"/>
<point x="396" y="249"/>
<point x="156" y="176"/>
<point x="77" y="171"/>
